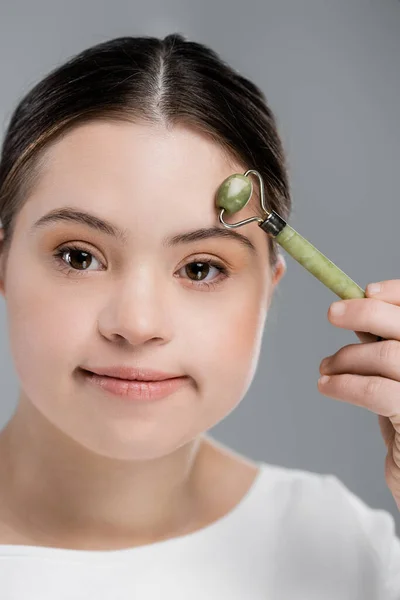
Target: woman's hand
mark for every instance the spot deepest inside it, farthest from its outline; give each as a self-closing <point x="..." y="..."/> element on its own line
<point x="368" y="374"/>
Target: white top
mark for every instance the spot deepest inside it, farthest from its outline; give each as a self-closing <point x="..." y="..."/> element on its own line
<point x="296" y="535"/>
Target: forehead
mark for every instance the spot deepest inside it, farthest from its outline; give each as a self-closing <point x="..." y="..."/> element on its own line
<point x="126" y="150"/>
<point x="144" y="171"/>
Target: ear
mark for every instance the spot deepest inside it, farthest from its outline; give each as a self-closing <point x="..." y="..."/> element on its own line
<point x="279" y="270"/>
<point x="277" y="273"/>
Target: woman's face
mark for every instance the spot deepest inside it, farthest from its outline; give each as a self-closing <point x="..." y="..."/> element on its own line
<point x="145" y="302"/>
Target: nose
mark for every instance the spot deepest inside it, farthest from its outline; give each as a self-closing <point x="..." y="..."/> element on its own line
<point x="137" y="311"/>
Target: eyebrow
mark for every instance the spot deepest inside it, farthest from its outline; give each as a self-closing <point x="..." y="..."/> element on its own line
<point x="101" y="225"/>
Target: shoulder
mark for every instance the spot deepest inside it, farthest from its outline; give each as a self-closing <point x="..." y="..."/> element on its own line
<point x="321" y="517"/>
<point x="315" y="497"/>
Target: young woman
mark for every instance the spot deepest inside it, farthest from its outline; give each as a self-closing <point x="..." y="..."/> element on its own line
<point x="135" y="321"/>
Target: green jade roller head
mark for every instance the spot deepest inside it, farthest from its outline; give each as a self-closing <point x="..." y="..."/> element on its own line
<point x="233" y="195"/>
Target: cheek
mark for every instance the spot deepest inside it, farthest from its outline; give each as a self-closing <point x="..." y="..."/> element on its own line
<point x="227" y="337"/>
<point x="222" y="352"/>
<point x="46" y="324"/>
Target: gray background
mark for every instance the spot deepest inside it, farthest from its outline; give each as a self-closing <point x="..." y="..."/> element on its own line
<point x="331" y="72"/>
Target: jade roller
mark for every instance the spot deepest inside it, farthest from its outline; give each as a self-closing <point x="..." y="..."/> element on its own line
<point x="233" y="195"/>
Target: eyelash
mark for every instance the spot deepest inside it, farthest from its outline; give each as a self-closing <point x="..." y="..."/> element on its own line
<point x="207" y="285"/>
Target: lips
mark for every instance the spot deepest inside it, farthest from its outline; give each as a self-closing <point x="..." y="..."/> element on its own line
<point x="140" y="385"/>
<point x="127" y="373"/>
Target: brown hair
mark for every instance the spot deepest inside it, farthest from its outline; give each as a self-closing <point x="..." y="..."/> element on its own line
<point x="168" y="80"/>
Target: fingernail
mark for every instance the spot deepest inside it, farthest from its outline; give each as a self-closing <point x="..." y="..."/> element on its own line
<point x="324" y="379"/>
<point x="337" y="308"/>
<point x="373" y="288"/>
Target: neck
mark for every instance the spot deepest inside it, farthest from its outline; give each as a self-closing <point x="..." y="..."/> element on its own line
<point x="62" y="491"/>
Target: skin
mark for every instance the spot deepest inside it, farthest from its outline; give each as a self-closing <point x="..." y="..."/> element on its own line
<point x="96" y="471"/>
<point x="368" y="374"/>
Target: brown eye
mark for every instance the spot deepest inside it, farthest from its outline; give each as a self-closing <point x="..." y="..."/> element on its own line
<point x="204" y="274"/>
<point x="79" y="259"/>
<point x="198" y="271"/>
<point x="76" y="258"/>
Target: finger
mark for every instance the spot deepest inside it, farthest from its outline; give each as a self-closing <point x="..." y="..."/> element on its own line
<point x="392" y="475"/>
<point x="381" y="359"/>
<point x="388" y="291"/>
<point x="366" y="315"/>
<point x="387" y="430"/>
<point x="377" y="394"/>
<point x="367" y="337"/>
